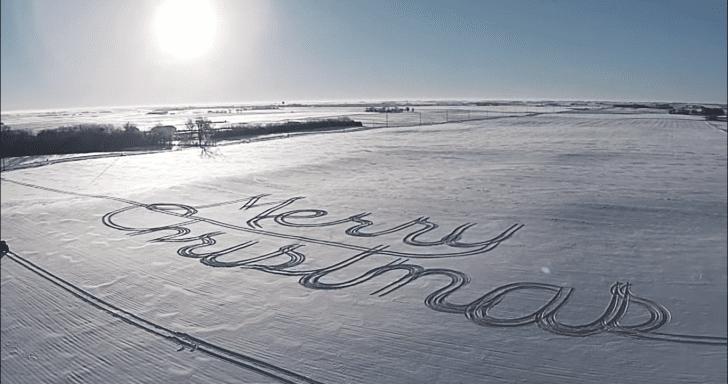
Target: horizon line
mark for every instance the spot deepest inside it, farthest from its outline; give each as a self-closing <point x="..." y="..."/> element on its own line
<point x="229" y="104"/>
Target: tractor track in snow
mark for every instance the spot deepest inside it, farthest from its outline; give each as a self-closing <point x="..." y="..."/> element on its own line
<point x="477" y="311"/>
<point x="182" y="339"/>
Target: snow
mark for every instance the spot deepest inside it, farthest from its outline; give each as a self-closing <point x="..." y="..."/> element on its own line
<point x="637" y="198"/>
<point x="34" y="121"/>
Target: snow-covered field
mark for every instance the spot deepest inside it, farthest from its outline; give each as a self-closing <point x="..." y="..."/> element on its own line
<point x="140" y="116"/>
<point x="34" y="121"/>
<point x="599" y="255"/>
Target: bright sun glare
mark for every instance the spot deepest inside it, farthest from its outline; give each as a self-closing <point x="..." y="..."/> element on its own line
<point x="185" y="28"/>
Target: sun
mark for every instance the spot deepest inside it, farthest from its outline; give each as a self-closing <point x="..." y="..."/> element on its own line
<point x="185" y="28"/>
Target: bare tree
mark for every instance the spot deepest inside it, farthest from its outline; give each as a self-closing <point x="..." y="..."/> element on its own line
<point x="129" y="127"/>
<point x="188" y="138"/>
<point x="204" y="130"/>
<point x="190" y="124"/>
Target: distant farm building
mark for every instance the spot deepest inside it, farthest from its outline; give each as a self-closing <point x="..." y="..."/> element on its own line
<point x="164" y="130"/>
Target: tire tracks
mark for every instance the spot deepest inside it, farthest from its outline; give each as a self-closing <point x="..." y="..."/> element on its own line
<point x="476" y="311"/>
<point x="182" y="339"/>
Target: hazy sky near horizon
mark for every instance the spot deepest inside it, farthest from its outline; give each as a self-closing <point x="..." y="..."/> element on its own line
<point x="88" y="53"/>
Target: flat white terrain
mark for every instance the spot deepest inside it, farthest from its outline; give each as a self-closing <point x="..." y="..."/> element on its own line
<point x="599" y="255"/>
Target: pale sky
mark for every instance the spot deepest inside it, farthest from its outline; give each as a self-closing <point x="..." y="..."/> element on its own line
<point x="90" y="53"/>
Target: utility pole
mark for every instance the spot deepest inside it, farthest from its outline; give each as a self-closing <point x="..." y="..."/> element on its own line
<point x="387" y="119"/>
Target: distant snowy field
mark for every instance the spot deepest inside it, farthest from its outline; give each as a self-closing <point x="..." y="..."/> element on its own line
<point x="145" y="117"/>
<point x="141" y="117"/>
<point x="257" y="262"/>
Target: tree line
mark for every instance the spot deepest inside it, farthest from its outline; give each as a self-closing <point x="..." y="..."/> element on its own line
<point x="237" y="130"/>
<point x="82" y="138"/>
<point x="85" y="138"/>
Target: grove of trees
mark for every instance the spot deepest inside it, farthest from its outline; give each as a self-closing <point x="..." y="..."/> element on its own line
<point x="85" y="138"/>
<point x="82" y="138"/>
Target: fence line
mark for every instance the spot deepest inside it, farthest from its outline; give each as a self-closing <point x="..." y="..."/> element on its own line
<point x="368" y="120"/>
<point x="429" y="117"/>
<point x="383" y="120"/>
